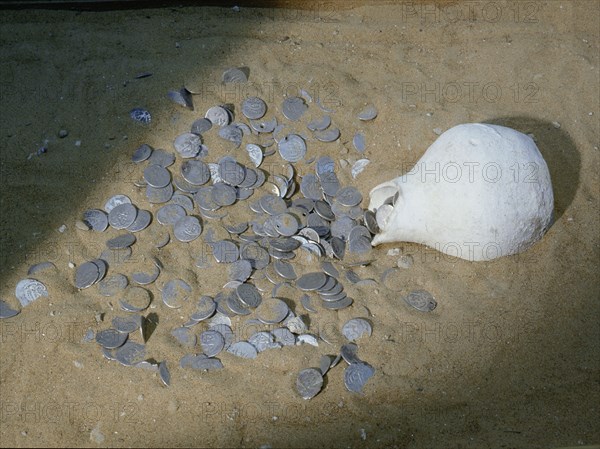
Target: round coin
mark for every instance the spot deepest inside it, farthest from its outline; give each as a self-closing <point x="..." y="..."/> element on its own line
<point x="212" y="342"/>
<point x="187" y="229"/>
<point x="311" y="281"/>
<point x="96" y="219"/>
<point x="309" y="383"/>
<point x="249" y="295"/>
<point x="122" y="216"/>
<point x="130" y="353"/>
<point x="272" y="311"/>
<point x="114" y="201"/>
<point x="243" y="349"/>
<point x="292" y="148"/>
<point x="218" y="116"/>
<point x="356" y="376"/>
<point x="121" y="241"/>
<point x="110" y="338"/>
<point x="254" y="108"/>
<point x="6" y="311"/>
<point x="293" y="108"/>
<point x="135" y="299"/>
<point x="28" y="290"/>
<point x="157" y="176"/>
<point x="141" y="222"/>
<point x="201" y="126"/>
<point x="86" y="275"/>
<point x="187" y="145"/>
<point x="195" y="172"/>
<point x="175" y="292"/>
<point x="356" y="328"/>
<point x="421" y="300"/>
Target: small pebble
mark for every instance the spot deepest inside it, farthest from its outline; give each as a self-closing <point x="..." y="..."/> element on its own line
<point x="82" y="226"/>
<point x="393" y="252"/>
<point x="63" y="133"/>
<point x="78" y="143"/>
<point x="438" y="131"/>
<point x="556" y="125"/>
<point x="405" y="261"/>
<point x="62" y="229"/>
<point x="71" y="265"/>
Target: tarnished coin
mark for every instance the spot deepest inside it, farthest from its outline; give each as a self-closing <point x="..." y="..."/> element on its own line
<point x="187" y="229"/>
<point x="329" y="135"/>
<point x="339" y="304"/>
<point x="205" y="308"/>
<point x="146" y="277"/>
<point x="309" y="383"/>
<point x="225" y="251"/>
<point x="359" y="142"/>
<point x="254" y="108"/>
<point x="368" y="113"/>
<point x="292" y="148"/>
<point x="261" y="340"/>
<point x="325" y="364"/>
<point x="236" y="305"/>
<point x="140" y="115"/>
<point x="284" y="244"/>
<point x="359" y="245"/>
<point x="324" y="165"/>
<point x="240" y="270"/>
<point x="293" y="108"/>
<point x="130" y="353"/>
<point x="421" y="300"/>
<point x="235" y="75"/>
<point x="223" y="194"/>
<point x="169" y="214"/>
<point x="87" y="274"/>
<point x="111" y="338"/>
<point x="319" y="124"/>
<point x="329" y="183"/>
<point x="135" y="299"/>
<point x="201" y="126"/>
<point x="96" y="219"/>
<point x="249" y="295"/>
<point x="142" y="153"/>
<point x="224" y="328"/>
<point x="231" y="172"/>
<point x="157" y="176"/>
<point x="122" y="216"/>
<point x="159" y="195"/>
<point x="28" y="290"/>
<point x="162" y="158"/>
<point x="195" y="172"/>
<point x="286" y="224"/>
<point x="185" y="336"/>
<point x="6" y="311"/>
<point x="272" y="311"/>
<point x="187" y="144"/>
<point x="356" y="328"/>
<point x="349" y="196"/>
<point x="312" y="281"/>
<point x="115" y="201"/>
<point x="218" y="115"/>
<point x="164" y="374"/>
<point x="356" y="376"/>
<point x="264" y="126"/>
<point x="284" y="269"/>
<point x="40" y="267"/>
<point x="127" y="324"/>
<point x="175" y="292"/>
<point x="182" y="97"/>
<point x="231" y="133"/>
<point x="349" y="353"/>
<point x="206" y="363"/>
<point x="121" y="241"/>
<point x="141" y="222"/>
<point x="305" y="301"/>
<point x="243" y="349"/>
<point x="284" y="336"/>
<point x="370" y="221"/>
<point x="272" y="204"/>
<point x="255" y="153"/>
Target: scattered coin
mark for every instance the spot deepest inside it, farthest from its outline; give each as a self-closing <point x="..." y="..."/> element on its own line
<point x="421" y="300"/>
<point x="182" y="97"/>
<point x="254" y="108"/>
<point x="127" y="324"/>
<point x="40" y="267"/>
<point x="249" y="295"/>
<point x="187" y="229"/>
<point x="309" y="383"/>
<point x="6" y="311"/>
<point x="110" y="338"/>
<point x="235" y="75"/>
<point x="96" y="219"/>
<point x="28" y="290"/>
<point x="175" y="292"/>
<point x="293" y="108"/>
<point x="272" y="311"/>
<point x="368" y="113"/>
<point x="142" y="153"/>
<point x="356" y="328"/>
<point x="157" y="176"/>
<point x="218" y="116"/>
<point x="141" y="222"/>
<point x="185" y="336"/>
<point x="255" y="153"/>
<point x="195" y="172"/>
<point x="243" y="349"/>
<point x="311" y="281"/>
<point x="187" y="145"/>
<point x="135" y="299"/>
<point x="86" y="275"/>
<point x="122" y="216"/>
<point x="121" y="241"/>
<point x="115" y="201"/>
<point x="130" y="353"/>
<point x="356" y="376"/>
<point x="164" y="374"/>
<point x="292" y="148"/>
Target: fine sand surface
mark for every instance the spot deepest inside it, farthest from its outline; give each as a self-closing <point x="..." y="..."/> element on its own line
<point x="509" y="358"/>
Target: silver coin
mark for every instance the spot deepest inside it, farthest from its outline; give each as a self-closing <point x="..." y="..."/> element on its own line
<point x="240" y="270"/>
<point x="421" y="300"/>
<point x="368" y="113"/>
<point x="159" y="195"/>
<point x="162" y="240"/>
<point x="272" y="311"/>
<point x="237" y="228"/>
<point x="307" y="339"/>
<point x="325" y="364"/>
<point x="218" y="115"/>
<point x="142" y="153"/>
<point x="286" y="224"/>
<point x="292" y="148"/>
<point x="223" y="326"/>
<point x="261" y="340"/>
<point x="135" y="299"/>
<point x="212" y="342"/>
<point x="232" y="133"/>
<point x="236" y="305"/>
<point x="40" y="267"/>
<point x="175" y="292"/>
<point x="205" y="308"/>
<point x="231" y="172"/>
<point x="272" y="204"/>
<point x="324" y="210"/>
<point x="309" y="383"/>
<point x="254" y="108"/>
<point x="330" y="269"/>
<point x="185" y="336"/>
<point x="201" y="126"/>
<point x="352" y="276"/>
<point x="96" y="219"/>
<point x="312" y="281"/>
<point x="243" y="349"/>
<point x="157" y="176"/>
<point x="285" y="269"/>
<point x="163" y="372"/>
<point x="284" y="336"/>
<point x="183" y="201"/>
<point x="127" y="324"/>
<point x="115" y="201"/>
<point x="293" y="108"/>
<point x="324" y="165"/>
<point x="356" y="376"/>
<point x="370" y="222"/>
<point x="225" y="251"/>
<point x="339" y="304"/>
<point x="329" y="183"/>
<point x="86" y="275"/>
<point x="145" y="278"/>
<point x="360" y="245"/>
<point x="187" y="145"/>
<point x="359" y="142"/>
<point x="203" y="198"/>
<point x="182" y="97"/>
<point x="116" y="256"/>
<point x="111" y="338"/>
<point x="169" y="214"/>
<point x="349" y="352"/>
<point x="284" y="244"/>
<point x="206" y="363"/>
<point x="249" y="295"/>
<point x="356" y="328"/>
<point x="141" y="222"/>
<point x="255" y="153"/>
<point x="122" y="216"/>
<point x="349" y="196"/>
<point x="329" y="285"/>
<point x="130" y="353"/>
<point x="28" y="290"/>
<point x="195" y="172"/>
<point x="121" y="241"/>
<point x="187" y="229"/>
<point x="188" y="360"/>
<point x="329" y="135"/>
<point x="319" y="124"/>
<point x="235" y="75"/>
<point x="305" y="301"/>
<point x="264" y="126"/>
<point x="359" y="231"/>
<point x="6" y="311"/>
<point x="257" y="256"/>
<point x="162" y="158"/>
<point x="223" y="194"/>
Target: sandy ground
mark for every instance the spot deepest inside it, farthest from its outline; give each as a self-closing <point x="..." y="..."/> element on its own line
<point x="510" y="357"/>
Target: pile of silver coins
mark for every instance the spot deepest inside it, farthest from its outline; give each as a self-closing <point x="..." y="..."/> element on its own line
<point x="297" y="232"/>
